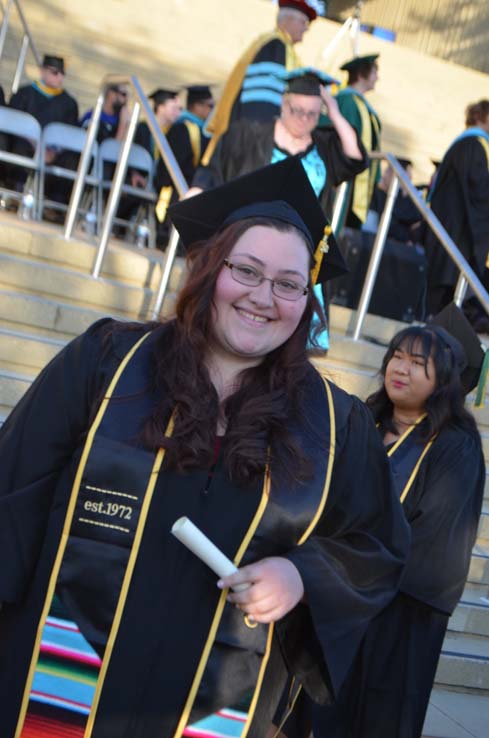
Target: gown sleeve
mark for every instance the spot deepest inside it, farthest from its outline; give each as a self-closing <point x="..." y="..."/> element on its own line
<point x="444" y="513"/>
<point x="36" y="442"/>
<point x="339" y="166"/>
<point x="351" y="564"/>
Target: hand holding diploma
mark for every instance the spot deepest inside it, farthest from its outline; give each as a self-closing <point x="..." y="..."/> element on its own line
<point x="275" y="590"/>
<point x="266" y="590"/>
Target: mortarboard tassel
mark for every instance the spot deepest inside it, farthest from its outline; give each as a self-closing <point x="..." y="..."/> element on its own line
<point x="481" y="387"/>
<point x="321" y="250"/>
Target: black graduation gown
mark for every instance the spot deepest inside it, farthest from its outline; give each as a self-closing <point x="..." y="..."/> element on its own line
<point x="247" y="146"/>
<point x="388" y="690"/>
<point x="179" y="139"/>
<point x="350" y="564"/>
<point x="460" y="200"/>
<point x="61" y="108"/>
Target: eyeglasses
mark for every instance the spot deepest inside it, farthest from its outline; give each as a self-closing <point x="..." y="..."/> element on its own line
<point x="54" y="70"/>
<point x="300" y="113"/>
<point x="286" y="289"/>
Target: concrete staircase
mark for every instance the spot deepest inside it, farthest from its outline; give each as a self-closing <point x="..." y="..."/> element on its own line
<point x="47" y="297"/>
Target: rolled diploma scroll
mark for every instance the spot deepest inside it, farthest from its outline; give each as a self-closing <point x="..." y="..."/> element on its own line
<point x="188" y="534"/>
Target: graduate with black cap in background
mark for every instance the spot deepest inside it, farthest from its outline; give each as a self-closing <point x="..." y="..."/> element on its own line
<point x="436" y="455"/>
<point x="48" y="101"/>
<point x="187" y="136"/>
<point x="216" y="414"/>
<point x="167" y="108"/>
<point x="328" y="155"/>
<point x="354" y="106"/>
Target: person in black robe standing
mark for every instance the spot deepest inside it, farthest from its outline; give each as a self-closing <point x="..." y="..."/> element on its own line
<point x="439" y="471"/>
<point x="109" y="626"/>
<point x="459" y="197"/>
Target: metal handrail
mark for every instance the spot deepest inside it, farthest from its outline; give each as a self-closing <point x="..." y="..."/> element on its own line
<point x="27" y="41"/>
<point x="467" y="274"/>
<point x="141" y="104"/>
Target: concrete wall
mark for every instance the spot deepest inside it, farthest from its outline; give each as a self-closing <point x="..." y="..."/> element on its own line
<point x="420" y="98"/>
<point x="456" y="30"/>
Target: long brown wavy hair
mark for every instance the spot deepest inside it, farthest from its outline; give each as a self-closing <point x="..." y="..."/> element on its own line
<point x="269" y="395"/>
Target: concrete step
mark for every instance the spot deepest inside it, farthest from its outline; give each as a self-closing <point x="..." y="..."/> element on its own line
<point x="28" y="349"/>
<point x="479" y="565"/>
<point x="464" y="662"/>
<point x="13" y="384"/>
<point x="470" y="617"/>
<point x="123" y="262"/>
<point x="457" y="713"/>
<point x="65" y="318"/>
<point x="45" y="279"/>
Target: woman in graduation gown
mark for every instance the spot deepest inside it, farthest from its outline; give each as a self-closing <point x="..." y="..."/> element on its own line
<point x="435" y="451"/>
<point x="330" y="155"/>
<point x="110" y="626"/>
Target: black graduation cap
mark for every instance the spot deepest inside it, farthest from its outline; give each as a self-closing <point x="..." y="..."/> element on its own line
<point x="358" y="61"/>
<point x="198" y="93"/>
<point x="458" y="334"/>
<point x="281" y="191"/>
<point x="161" y="95"/>
<point x="307" y="80"/>
<point x="57" y="62"/>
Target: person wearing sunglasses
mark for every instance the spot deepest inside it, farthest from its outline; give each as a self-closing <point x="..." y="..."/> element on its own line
<point x="114" y="117"/>
<point x="48" y="101"/>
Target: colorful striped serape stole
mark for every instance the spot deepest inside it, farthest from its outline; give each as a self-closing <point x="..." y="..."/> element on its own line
<point x="223" y="724"/>
<point x="64" y="681"/>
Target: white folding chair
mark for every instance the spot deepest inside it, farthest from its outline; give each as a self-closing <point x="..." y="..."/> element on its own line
<point x="17" y="123"/>
<point x="140" y="159"/>
<point x="65" y="138"/>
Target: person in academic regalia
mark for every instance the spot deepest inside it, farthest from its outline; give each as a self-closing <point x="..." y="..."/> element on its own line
<point x="167" y="108"/>
<point x="435" y="450"/>
<point x="254" y="88"/>
<point x="406" y="218"/>
<point x="354" y="106"/>
<point x="48" y="101"/>
<point x="460" y="199"/>
<point x="328" y="155"/>
<point x="188" y="140"/>
<point x="109" y="625"/>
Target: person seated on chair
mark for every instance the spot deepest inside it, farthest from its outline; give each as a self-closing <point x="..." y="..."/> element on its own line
<point x="114" y="116"/>
<point x="48" y="102"/>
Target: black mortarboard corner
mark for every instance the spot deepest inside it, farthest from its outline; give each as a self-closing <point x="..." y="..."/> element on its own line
<point x="307" y="81"/>
<point x="357" y="61"/>
<point x="281" y="191"/>
<point x="198" y="93"/>
<point x="457" y="332"/>
<point x="57" y="62"/>
<point x="301" y="5"/>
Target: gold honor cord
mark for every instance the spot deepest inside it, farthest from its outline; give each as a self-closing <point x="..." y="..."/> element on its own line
<point x="259" y="681"/>
<point x="182" y="723"/>
<point x="394" y="448"/>
<point x="290" y="709"/>
<point x="329" y="471"/>
<point x="66" y="531"/>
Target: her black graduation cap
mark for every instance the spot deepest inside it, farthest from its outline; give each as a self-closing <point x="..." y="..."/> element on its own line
<point x="281" y="191"/>
<point x="455" y="330"/>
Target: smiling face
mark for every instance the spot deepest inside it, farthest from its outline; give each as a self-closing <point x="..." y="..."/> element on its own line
<point x="409" y="380"/>
<point x="250" y="322"/>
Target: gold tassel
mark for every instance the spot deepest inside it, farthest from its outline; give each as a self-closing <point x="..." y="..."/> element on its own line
<point x="321" y="250"/>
